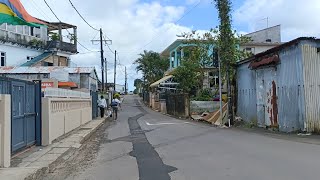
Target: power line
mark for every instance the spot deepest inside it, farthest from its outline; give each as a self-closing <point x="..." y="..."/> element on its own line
<point x="108" y="45"/>
<point x="66" y="29"/>
<point x="52" y="10"/>
<point x="82" y="16"/>
<point x="89" y="52"/>
<point x="44" y="15"/>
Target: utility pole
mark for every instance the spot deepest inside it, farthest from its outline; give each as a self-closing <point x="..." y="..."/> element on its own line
<point x="126" y="79"/>
<point x="102" y="58"/>
<point x="115" y="69"/>
<point x="105" y="70"/>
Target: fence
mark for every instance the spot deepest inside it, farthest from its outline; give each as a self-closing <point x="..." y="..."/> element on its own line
<point x="177" y="104"/>
<point x="62" y="115"/>
<point x="65" y="93"/>
<point x="146" y="98"/>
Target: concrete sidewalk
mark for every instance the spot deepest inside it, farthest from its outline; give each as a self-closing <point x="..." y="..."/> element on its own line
<point x="31" y="165"/>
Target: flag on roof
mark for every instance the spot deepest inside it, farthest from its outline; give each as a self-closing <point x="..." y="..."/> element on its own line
<point x="13" y="12"/>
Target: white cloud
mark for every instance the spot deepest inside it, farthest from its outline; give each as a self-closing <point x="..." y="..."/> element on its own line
<point x="297" y="18"/>
<point x="131" y="24"/>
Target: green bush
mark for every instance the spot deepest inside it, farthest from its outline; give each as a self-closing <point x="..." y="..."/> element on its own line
<point x="204" y="95"/>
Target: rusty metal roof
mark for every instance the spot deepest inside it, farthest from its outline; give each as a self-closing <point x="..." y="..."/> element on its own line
<point x="45" y="70"/>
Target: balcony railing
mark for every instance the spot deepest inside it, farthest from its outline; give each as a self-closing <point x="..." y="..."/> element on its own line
<point x="63" y="46"/>
<point x="21" y="39"/>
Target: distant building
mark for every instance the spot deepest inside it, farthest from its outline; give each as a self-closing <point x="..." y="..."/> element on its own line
<point x="263" y="40"/>
<point x="119" y="88"/>
<point x="80" y="78"/>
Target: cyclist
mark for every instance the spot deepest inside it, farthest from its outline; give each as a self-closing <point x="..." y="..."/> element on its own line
<point x="115" y="104"/>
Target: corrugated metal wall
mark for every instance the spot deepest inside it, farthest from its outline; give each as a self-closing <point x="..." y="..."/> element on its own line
<point x="247" y="98"/>
<point x="290" y="90"/>
<point x="311" y="74"/>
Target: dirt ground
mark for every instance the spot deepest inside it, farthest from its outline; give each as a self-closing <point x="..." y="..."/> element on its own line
<point x="78" y="160"/>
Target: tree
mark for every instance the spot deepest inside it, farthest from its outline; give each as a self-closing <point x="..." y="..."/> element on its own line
<point x="227" y="47"/>
<point x="152" y="66"/>
<point x="138" y="84"/>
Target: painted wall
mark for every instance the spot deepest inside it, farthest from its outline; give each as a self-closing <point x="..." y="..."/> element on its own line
<point x="16" y="55"/>
<point x="62" y="115"/>
<point x="247" y="98"/>
<point x="311" y="74"/>
<point x="273" y="33"/>
<point x="257" y="49"/>
<point x="5" y="130"/>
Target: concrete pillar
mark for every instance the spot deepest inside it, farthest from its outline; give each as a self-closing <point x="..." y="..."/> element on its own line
<point x="182" y="53"/>
<point x="170" y="62"/>
<point x="5" y="130"/>
<point x="46" y="110"/>
<point x="175" y="58"/>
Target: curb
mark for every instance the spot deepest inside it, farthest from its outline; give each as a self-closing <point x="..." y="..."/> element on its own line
<point x="85" y="138"/>
<point x="43" y="170"/>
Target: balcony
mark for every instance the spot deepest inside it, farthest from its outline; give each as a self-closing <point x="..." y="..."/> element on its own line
<point x="62" y="46"/>
<point x="21" y="39"/>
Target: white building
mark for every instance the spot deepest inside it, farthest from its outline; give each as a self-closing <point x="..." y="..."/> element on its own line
<point x="31" y="46"/>
<point x="263" y="40"/>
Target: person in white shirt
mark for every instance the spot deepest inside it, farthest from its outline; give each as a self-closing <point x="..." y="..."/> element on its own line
<point x="102" y="104"/>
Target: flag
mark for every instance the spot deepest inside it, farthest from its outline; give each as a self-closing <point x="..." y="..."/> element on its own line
<point x="12" y="12"/>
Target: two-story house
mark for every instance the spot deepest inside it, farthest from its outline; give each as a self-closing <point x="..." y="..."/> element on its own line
<point x="261" y="41"/>
<point x="23" y="45"/>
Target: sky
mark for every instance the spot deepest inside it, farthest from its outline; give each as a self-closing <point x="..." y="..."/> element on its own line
<point x="137" y="25"/>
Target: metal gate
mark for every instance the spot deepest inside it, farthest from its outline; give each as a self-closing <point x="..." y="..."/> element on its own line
<point x="176" y="104"/>
<point x="25" y="112"/>
<point x="94" y="96"/>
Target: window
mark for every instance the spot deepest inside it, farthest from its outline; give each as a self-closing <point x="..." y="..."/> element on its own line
<point x="29" y="58"/>
<point x="249" y="50"/>
<point x="2" y="59"/>
<point x="3" y="26"/>
<point x="20" y="29"/>
<point x="11" y="28"/>
<point x="26" y="30"/>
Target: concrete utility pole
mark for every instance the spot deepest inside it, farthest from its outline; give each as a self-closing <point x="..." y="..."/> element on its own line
<point x="126" y="79"/>
<point x="105" y="70"/>
<point x="102" y="58"/>
<point x="115" y="70"/>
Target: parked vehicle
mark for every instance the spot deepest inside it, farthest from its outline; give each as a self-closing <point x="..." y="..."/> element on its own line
<point x="130" y="92"/>
<point x="217" y="98"/>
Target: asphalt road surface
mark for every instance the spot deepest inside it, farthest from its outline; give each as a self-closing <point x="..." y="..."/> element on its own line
<point x="146" y="145"/>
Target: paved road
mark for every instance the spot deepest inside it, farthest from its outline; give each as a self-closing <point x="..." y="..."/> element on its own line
<point x="146" y="145"/>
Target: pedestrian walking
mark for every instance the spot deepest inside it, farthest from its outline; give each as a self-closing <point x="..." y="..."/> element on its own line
<point x="115" y="104"/>
<point x="102" y="104"/>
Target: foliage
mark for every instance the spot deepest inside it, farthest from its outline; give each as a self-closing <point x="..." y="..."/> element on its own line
<point x="54" y="36"/>
<point x="187" y="75"/>
<point x="35" y="42"/>
<point x="152" y="66"/>
<point x="205" y="95"/>
<point x="138" y="83"/>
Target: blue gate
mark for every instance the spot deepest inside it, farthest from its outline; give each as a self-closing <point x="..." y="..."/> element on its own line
<point x="25" y="112"/>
